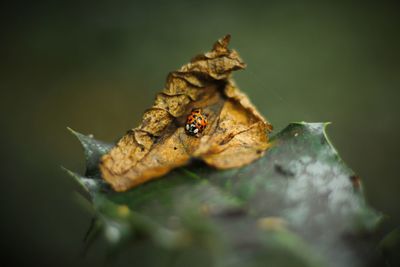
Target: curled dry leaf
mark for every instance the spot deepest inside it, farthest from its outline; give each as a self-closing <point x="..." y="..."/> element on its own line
<point x="236" y="133"/>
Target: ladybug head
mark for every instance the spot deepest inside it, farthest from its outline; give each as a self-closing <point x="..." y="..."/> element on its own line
<point x="191" y="129"/>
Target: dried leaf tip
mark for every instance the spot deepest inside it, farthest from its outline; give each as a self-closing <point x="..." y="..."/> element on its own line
<point x="222" y="44"/>
<point x="235" y="134"/>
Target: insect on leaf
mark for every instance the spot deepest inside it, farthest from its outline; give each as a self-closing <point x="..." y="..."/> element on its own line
<point x="236" y="133"/>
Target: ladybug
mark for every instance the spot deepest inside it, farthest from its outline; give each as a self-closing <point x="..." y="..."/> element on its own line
<point x="195" y="122"/>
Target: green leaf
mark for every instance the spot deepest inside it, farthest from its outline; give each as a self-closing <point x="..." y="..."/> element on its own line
<point x="299" y="205"/>
<point x="93" y="150"/>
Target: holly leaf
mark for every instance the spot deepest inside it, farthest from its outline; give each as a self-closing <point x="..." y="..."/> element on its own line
<point x="297" y="205"/>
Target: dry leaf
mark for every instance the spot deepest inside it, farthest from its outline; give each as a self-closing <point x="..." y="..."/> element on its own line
<point x="235" y="134"/>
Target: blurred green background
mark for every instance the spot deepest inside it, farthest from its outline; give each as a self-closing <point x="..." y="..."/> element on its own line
<point x="96" y="66"/>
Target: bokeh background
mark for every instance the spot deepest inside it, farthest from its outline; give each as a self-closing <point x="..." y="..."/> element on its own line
<point x="96" y="66"/>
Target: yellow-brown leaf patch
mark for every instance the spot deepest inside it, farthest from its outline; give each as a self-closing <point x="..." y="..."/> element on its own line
<point x="236" y="133"/>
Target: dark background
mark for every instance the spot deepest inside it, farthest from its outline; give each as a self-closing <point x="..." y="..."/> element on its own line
<point x="96" y="66"/>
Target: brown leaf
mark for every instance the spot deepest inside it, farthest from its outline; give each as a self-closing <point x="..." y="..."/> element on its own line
<point x="235" y="134"/>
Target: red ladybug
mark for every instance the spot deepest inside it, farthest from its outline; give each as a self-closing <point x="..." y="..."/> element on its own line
<point x="195" y="123"/>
